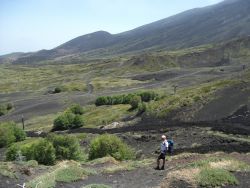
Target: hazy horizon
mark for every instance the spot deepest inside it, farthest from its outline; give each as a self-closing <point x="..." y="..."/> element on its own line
<point x="31" y="26"/>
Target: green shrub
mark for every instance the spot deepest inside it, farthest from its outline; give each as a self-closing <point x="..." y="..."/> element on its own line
<point x="42" y="151"/>
<point x="66" y="146"/>
<point x="209" y="177"/>
<point x="148" y="96"/>
<point x="106" y="144"/>
<point x="78" y="122"/>
<point x="135" y="101"/>
<point x="9" y="106"/>
<point x="12" y="153"/>
<point x="68" y="120"/>
<point x="101" y="101"/>
<point x="58" y="90"/>
<point x="126" y="99"/>
<point x="76" y="109"/>
<point x="10" y="133"/>
<point x="19" y="134"/>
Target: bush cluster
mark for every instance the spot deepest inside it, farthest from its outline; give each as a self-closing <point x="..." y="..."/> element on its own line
<point x="126" y="99"/>
<point x="70" y="119"/>
<point x="4" y="108"/>
<point x="9" y="133"/>
<point x="107" y="144"/>
<point x="42" y="151"/>
<point x="46" y="151"/>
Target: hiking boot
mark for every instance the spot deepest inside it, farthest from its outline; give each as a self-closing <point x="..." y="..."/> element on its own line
<point x="162" y="168"/>
<point x="157" y="168"/>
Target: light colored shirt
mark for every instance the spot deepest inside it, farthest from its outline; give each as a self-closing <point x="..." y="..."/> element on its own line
<point x="164" y="146"/>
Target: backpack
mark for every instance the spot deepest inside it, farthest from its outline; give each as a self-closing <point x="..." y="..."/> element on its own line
<point x="171" y="143"/>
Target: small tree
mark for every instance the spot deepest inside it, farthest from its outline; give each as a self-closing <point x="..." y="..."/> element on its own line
<point x="68" y="120"/>
<point x="43" y="152"/>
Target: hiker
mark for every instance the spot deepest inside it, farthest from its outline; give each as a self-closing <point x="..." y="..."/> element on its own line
<point x="164" y="148"/>
<point x="171" y="146"/>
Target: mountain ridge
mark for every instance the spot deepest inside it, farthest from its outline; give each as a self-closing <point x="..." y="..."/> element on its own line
<point x="215" y="23"/>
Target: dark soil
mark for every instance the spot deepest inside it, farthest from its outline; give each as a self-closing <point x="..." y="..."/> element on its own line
<point x="243" y="178"/>
<point x="143" y="177"/>
<point x="226" y="103"/>
<point x="180" y="184"/>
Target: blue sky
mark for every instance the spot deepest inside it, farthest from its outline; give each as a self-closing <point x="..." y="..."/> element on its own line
<point x="31" y="25"/>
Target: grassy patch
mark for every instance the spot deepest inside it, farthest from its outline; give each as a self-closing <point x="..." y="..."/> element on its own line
<point x="69" y="174"/>
<point x="65" y="171"/>
<point x="226" y="163"/>
<point x="103" y="115"/>
<point x="239" y="138"/>
<point x="100" y="83"/>
<point x="209" y="177"/>
<point x="7" y="169"/>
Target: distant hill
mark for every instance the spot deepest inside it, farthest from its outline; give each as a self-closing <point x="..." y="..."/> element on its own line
<point x="221" y="22"/>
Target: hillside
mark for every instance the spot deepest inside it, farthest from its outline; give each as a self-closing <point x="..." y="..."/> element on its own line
<point x="221" y="22"/>
<point x="91" y="112"/>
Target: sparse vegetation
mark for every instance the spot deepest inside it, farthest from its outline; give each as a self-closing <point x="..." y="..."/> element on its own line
<point x="184" y="98"/>
<point x="106" y="144"/>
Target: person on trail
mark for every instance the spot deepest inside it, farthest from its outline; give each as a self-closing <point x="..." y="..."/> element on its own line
<point x="170" y="146"/>
<point x="164" y="149"/>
